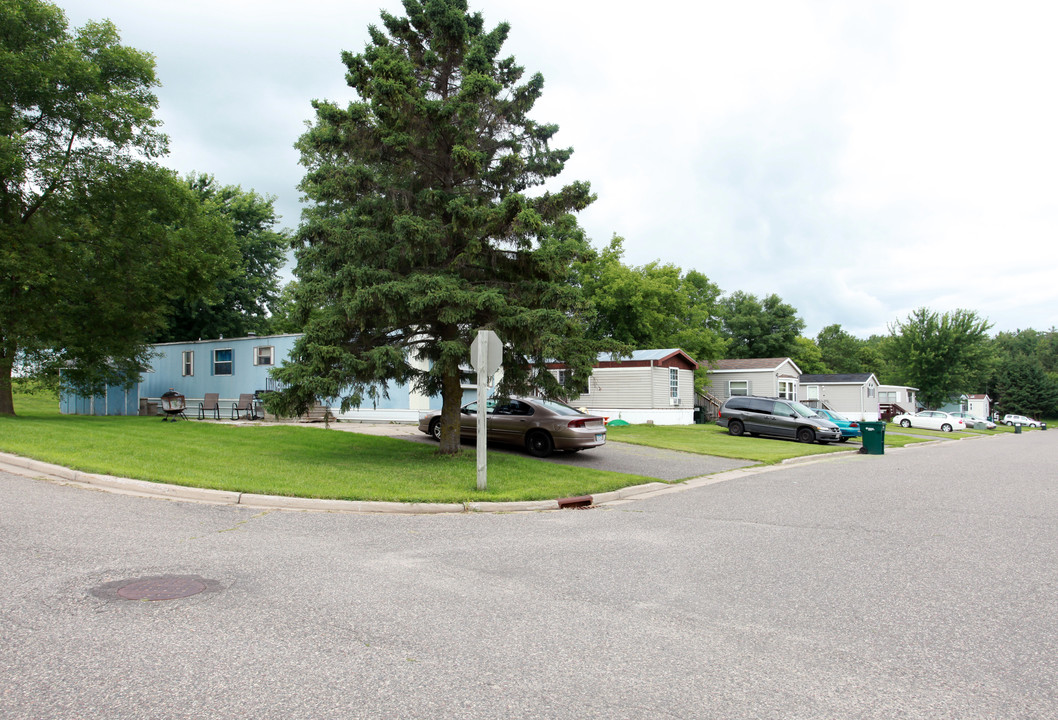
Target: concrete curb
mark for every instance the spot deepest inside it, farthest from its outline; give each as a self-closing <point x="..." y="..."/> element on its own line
<point x="28" y="467"/>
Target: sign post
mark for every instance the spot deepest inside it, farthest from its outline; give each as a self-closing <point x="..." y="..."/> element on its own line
<point x="486" y="354"/>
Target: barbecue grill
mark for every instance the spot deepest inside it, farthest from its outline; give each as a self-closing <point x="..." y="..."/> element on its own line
<point x="173" y="405"/>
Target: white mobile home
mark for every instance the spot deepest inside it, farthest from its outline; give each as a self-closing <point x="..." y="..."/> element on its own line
<point x="652" y="385"/>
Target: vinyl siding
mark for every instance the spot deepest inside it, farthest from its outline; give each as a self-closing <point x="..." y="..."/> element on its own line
<point x="617" y="387"/>
<point x="848" y="399"/>
<point x="638" y="388"/>
<point x="761" y="382"/>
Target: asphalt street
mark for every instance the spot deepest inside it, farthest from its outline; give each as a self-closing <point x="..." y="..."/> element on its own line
<point x="918" y="584"/>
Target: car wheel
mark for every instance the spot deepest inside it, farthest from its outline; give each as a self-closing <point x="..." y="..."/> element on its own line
<point x="806" y="435"/>
<point x="946" y="427"/>
<point x="1010" y="423"/>
<point x="905" y="423"/>
<point x="844" y="439"/>
<point x="539" y="444"/>
<point x="1032" y="424"/>
<point x="435" y="429"/>
<point x="736" y="428"/>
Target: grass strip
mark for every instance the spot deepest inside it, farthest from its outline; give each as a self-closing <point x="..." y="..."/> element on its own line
<point x="286" y="460"/>
<point x="711" y="439"/>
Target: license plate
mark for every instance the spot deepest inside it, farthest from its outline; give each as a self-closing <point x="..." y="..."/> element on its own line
<point x="600" y="437"/>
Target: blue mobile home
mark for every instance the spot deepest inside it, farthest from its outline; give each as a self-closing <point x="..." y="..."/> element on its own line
<point x="230" y="367"/>
<point x="654" y="385"/>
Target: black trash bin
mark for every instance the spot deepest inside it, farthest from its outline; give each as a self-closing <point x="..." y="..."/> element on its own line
<point x="1017" y="428"/>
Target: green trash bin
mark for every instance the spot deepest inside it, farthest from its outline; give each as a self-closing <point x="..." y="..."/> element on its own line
<point x="873" y="434"/>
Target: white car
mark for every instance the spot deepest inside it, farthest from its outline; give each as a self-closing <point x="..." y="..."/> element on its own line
<point x="1020" y="420"/>
<point x="972" y="420"/>
<point x="931" y="420"/>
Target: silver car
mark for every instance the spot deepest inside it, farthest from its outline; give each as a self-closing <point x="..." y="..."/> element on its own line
<point x="540" y="426"/>
<point x="971" y="420"/>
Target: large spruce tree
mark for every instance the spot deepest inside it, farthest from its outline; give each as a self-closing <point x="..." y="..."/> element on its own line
<point x="421" y="229"/>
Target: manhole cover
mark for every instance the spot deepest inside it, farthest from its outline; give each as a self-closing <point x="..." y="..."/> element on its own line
<point x="163" y="588"/>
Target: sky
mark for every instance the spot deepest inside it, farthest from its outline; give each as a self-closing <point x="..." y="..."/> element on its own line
<point x="859" y="159"/>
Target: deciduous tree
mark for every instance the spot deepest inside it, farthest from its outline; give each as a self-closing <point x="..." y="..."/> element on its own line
<point x="87" y="250"/>
<point x="651" y="306"/>
<point x="755" y="328"/>
<point x="942" y="355"/>
<point x="243" y="301"/>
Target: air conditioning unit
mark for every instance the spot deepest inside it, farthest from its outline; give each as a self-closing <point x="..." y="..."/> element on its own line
<point x="674" y="402"/>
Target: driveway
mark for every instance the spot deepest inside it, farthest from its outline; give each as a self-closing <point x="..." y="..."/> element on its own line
<point x="613" y="456"/>
<point x="918" y="584"/>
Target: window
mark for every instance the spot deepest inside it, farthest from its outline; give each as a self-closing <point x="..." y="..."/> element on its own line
<point x="581" y="389"/>
<point x="222" y="362"/>
<point x="737" y="387"/>
<point x="870" y="391"/>
<point x="811" y="392"/>
<point x="264" y="355"/>
<point x="674" y="383"/>
<point x="187" y="359"/>
<point x="887" y="397"/>
<point x="514" y="407"/>
<point x="787" y="390"/>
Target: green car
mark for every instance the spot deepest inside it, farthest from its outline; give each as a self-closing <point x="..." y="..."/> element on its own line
<point x="849" y="428"/>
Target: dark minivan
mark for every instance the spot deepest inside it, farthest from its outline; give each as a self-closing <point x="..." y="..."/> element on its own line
<point x="775" y="416"/>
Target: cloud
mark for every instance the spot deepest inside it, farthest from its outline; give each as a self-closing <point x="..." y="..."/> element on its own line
<point x="859" y="159"/>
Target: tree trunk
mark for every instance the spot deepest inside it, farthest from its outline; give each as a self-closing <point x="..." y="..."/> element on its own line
<point x="451" y="400"/>
<point x="7" y="362"/>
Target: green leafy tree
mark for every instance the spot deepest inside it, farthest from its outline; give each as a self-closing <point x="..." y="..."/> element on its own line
<point x="283" y="318"/>
<point x="422" y="229"/>
<point x="755" y="328"/>
<point x="841" y="351"/>
<point x="809" y="357"/>
<point x="87" y="254"/>
<point x="942" y="355"/>
<point x="117" y="251"/>
<point x="651" y="306"/>
<point x="243" y="301"/>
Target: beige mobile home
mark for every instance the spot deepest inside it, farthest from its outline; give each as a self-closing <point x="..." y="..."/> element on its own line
<point x="854" y="395"/>
<point x="768" y="377"/>
<point x="652" y="385"/>
<point x="896" y="399"/>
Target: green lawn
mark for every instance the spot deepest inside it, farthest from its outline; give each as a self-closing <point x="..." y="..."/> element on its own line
<point x="711" y="439"/>
<point x="892" y="428"/>
<point x="285" y="460"/>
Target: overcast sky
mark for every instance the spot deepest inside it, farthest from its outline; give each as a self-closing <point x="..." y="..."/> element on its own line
<point x="860" y="159"/>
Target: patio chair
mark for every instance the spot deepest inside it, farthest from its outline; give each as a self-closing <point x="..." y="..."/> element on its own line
<point x="247" y="404"/>
<point x="210" y="404"/>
